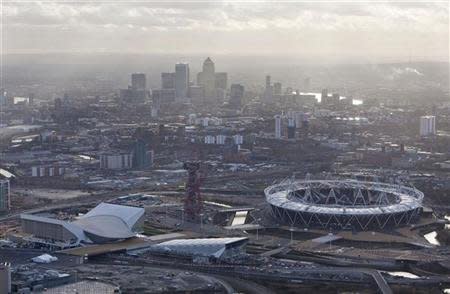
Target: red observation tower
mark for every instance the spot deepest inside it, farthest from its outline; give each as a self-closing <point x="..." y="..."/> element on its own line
<point x="193" y="204"/>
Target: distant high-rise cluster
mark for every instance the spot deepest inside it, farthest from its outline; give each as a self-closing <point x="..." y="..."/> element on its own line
<point x="272" y="92"/>
<point x="137" y="92"/>
<point x="177" y="86"/>
<point x="296" y="121"/>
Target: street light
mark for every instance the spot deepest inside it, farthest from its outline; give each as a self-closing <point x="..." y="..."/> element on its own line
<point x="292" y="232"/>
<point x="182" y="216"/>
<point x="257" y="228"/>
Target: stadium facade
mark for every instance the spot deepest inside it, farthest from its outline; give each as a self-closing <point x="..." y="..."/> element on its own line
<point x="344" y="204"/>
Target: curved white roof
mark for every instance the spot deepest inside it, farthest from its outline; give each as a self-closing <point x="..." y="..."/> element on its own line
<point x="105" y="226"/>
<point x="106" y="222"/>
<point x="129" y="214"/>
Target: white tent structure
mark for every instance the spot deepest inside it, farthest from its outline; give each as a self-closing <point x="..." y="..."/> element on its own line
<point x="44" y="258"/>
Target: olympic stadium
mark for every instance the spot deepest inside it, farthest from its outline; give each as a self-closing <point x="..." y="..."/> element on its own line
<point x="344" y="204"/>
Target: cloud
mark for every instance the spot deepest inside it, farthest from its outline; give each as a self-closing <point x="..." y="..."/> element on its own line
<point x="209" y="24"/>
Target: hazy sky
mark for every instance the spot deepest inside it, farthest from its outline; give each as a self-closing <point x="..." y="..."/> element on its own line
<point x="361" y="30"/>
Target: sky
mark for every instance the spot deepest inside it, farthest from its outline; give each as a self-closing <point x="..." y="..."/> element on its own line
<point x="386" y="30"/>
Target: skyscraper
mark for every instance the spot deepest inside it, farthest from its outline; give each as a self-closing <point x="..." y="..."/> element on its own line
<point x="277" y="126"/>
<point x="221" y="80"/>
<point x="138" y="81"/>
<point x="291" y="128"/>
<point x="136" y="92"/>
<point x="277" y="88"/>
<point x="168" y="80"/>
<point x="181" y="81"/>
<point x="141" y="154"/>
<point x="213" y="83"/>
<point x="324" y="96"/>
<point x="236" y="96"/>
<point x="268" y="92"/>
<point x="427" y="125"/>
<point x="207" y="78"/>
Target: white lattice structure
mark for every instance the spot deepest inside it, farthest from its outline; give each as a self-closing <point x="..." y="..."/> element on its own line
<point x="344" y="204"/>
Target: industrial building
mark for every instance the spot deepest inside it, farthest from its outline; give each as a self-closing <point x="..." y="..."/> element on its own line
<point x="104" y="224"/>
<point x="344" y="204"/>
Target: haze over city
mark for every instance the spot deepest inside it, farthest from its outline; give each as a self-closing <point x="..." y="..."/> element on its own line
<point x="224" y="147"/>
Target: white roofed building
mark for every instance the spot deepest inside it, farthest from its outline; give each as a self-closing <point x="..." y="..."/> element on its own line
<point x="208" y="247"/>
<point x="105" y="223"/>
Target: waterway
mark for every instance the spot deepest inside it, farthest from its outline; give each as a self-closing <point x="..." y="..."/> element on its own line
<point x="404" y="275"/>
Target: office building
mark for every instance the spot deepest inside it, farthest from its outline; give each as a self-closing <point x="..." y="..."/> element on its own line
<point x="163" y="96"/>
<point x="168" y="80"/>
<point x="181" y="81"/>
<point x="277" y="126"/>
<point x="324" y="96"/>
<point x="138" y="81"/>
<point x="221" y="80"/>
<point x="116" y="161"/>
<point x="207" y="79"/>
<point x="238" y="139"/>
<point x="212" y="81"/>
<point x="427" y="125"/>
<point x="135" y="93"/>
<point x="291" y="128"/>
<point x="299" y="117"/>
<point x="5" y="201"/>
<point x="277" y="88"/>
<point x="196" y="93"/>
<point x="142" y="156"/>
<point x="268" y="92"/>
<point x="236" y="96"/>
